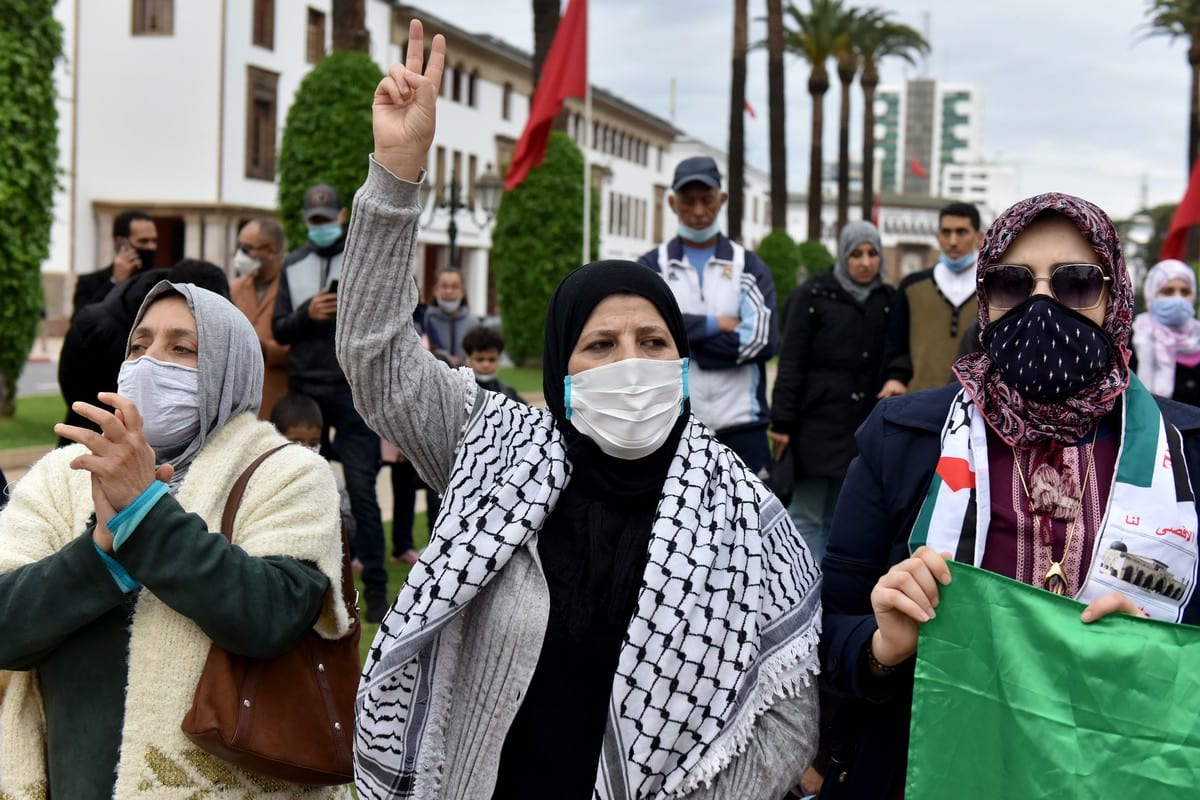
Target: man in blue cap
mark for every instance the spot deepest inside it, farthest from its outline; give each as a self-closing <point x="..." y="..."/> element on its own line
<point x="727" y="298"/>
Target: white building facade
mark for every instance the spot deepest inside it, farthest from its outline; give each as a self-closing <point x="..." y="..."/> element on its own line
<point x="177" y="108"/>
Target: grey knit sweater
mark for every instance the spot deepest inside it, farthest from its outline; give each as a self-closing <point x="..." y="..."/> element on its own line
<point x="420" y="404"/>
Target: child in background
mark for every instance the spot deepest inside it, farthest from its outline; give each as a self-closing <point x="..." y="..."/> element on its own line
<point x="298" y="418"/>
<point x="483" y="346"/>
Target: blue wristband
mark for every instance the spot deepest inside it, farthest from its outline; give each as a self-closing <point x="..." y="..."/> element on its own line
<point x="128" y="518"/>
<point x="126" y="582"/>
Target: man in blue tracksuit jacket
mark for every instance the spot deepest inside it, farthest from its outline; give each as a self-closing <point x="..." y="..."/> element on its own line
<point x="727" y="298"/>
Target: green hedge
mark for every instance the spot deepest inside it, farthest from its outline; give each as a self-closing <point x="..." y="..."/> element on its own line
<point x="536" y="241"/>
<point x="780" y="253"/>
<point x="30" y="44"/>
<point x="327" y="137"/>
<point x="815" y="259"/>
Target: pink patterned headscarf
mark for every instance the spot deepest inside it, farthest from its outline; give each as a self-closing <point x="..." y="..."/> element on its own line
<point x="1160" y="346"/>
<point x="1023" y="422"/>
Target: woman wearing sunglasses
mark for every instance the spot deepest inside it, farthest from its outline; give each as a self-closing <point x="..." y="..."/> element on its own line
<point x="1022" y="467"/>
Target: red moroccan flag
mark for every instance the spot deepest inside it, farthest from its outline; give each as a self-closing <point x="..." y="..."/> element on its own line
<point x="564" y="74"/>
<point x="1187" y="214"/>
<point x="917" y="169"/>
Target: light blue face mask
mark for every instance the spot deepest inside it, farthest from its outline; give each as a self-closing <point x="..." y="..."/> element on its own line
<point x="1172" y="311"/>
<point x="324" y="235"/>
<point x="958" y="264"/>
<point x="699" y="236"/>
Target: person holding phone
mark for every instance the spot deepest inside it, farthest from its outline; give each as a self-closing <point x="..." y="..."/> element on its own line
<point x="135" y="245"/>
<point x="305" y="318"/>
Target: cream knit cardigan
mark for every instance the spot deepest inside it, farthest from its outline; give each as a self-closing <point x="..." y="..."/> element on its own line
<point x="290" y="508"/>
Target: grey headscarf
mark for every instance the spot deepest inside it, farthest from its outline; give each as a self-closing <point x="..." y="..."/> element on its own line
<point x="229" y="367"/>
<point x="854" y="234"/>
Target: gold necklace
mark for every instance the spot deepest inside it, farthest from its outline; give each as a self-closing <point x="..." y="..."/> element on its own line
<point x="1055" y="579"/>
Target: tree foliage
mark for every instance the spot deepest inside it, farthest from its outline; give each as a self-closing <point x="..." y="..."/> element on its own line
<point x="781" y="254"/>
<point x="30" y="44"/>
<point x="536" y="242"/>
<point x="817" y="35"/>
<point x="815" y="258"/>
<point x="327" y="137"/>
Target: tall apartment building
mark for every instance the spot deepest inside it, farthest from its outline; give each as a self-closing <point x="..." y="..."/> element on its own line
<point x="929" y="139"/>
<point x="926" y="125"/>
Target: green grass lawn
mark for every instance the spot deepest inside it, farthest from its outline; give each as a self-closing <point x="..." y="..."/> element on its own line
<point x="33" y="424"/>
<point x="523" y="379"/>
<point x="397" y="573"/>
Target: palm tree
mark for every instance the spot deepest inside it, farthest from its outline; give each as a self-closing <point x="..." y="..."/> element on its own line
<point x="847" y="67"/>
<point x="349" y="27"/>
<point x="1181" y="19"/>
<point x="881" y="39"/>
<point x="737" y="124"/>
<point x="777" y="115"/>
<point x="545" y="23"/>
<point x="816" y="35"/>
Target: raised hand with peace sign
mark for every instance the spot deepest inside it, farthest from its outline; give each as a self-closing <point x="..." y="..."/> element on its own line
<point x="405" y="108"/>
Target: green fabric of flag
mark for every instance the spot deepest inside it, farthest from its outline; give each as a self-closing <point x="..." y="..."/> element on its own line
<point x="1014" y="696"/>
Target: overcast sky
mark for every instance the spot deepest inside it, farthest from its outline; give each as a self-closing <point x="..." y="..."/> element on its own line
<point x="1073" y="93"/>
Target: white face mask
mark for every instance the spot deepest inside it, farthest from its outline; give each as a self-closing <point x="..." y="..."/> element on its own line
<point x="449" y="306"/>
<point x="629" y="407"/>
<point x="243" y="264"/>
<point x="165" y="395"/>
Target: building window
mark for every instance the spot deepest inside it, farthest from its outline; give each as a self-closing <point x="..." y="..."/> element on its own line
<point x="262" y="92"/>
<point x="439" y="196"/>
<point x="472" y="88"/>
<point x="456" y="84"/>
<point x="506" y="102"/>
<point x="472" y="170"/>
<point x="457" y="174"/>
<point x="316" y="35"/>
<point x="264" y="24"/>
<point x="153" y="17"/>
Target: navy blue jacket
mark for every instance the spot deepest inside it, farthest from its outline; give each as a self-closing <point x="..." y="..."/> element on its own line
<point x="899" y="446"/>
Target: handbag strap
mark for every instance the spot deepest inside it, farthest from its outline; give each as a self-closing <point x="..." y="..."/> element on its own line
<point x="349" y="593"/>
<point x="239" y="488"/>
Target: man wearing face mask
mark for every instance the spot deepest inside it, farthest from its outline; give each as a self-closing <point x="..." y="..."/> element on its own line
<point x="728" y="301"/>
<point x="933" y="309"/>
<point x="257" y="262"/>
<point x="305" y="319"/>
<point x="135" y="245"/>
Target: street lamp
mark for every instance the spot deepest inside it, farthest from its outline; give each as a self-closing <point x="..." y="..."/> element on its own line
<point x="488" y="188"/>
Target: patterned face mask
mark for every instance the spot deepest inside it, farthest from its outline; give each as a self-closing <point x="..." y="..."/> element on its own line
<point x="1045" y="350"/>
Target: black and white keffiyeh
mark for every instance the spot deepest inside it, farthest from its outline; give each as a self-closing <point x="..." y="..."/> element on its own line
<point x="726" y="622"/>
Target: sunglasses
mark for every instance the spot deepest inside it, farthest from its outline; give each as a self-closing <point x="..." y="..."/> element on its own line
<point x="1077" y="286"/>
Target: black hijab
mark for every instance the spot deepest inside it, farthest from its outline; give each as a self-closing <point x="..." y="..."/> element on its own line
<point x="593" y="550"/>
<point x="573" y="302"/>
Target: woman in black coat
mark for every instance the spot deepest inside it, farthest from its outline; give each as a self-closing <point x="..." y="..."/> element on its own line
<point x="829" y="375"/>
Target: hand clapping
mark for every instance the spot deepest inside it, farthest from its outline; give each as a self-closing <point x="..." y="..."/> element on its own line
<point x="120" y="461"/>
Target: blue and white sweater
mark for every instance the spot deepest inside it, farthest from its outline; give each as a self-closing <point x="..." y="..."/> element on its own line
<point x="727" y="378"/>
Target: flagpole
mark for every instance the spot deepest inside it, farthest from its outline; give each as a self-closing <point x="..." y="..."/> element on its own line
<point x="587" y="144"/>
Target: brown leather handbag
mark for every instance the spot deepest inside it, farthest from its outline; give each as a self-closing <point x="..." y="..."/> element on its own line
<point x="291" y="717"/>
